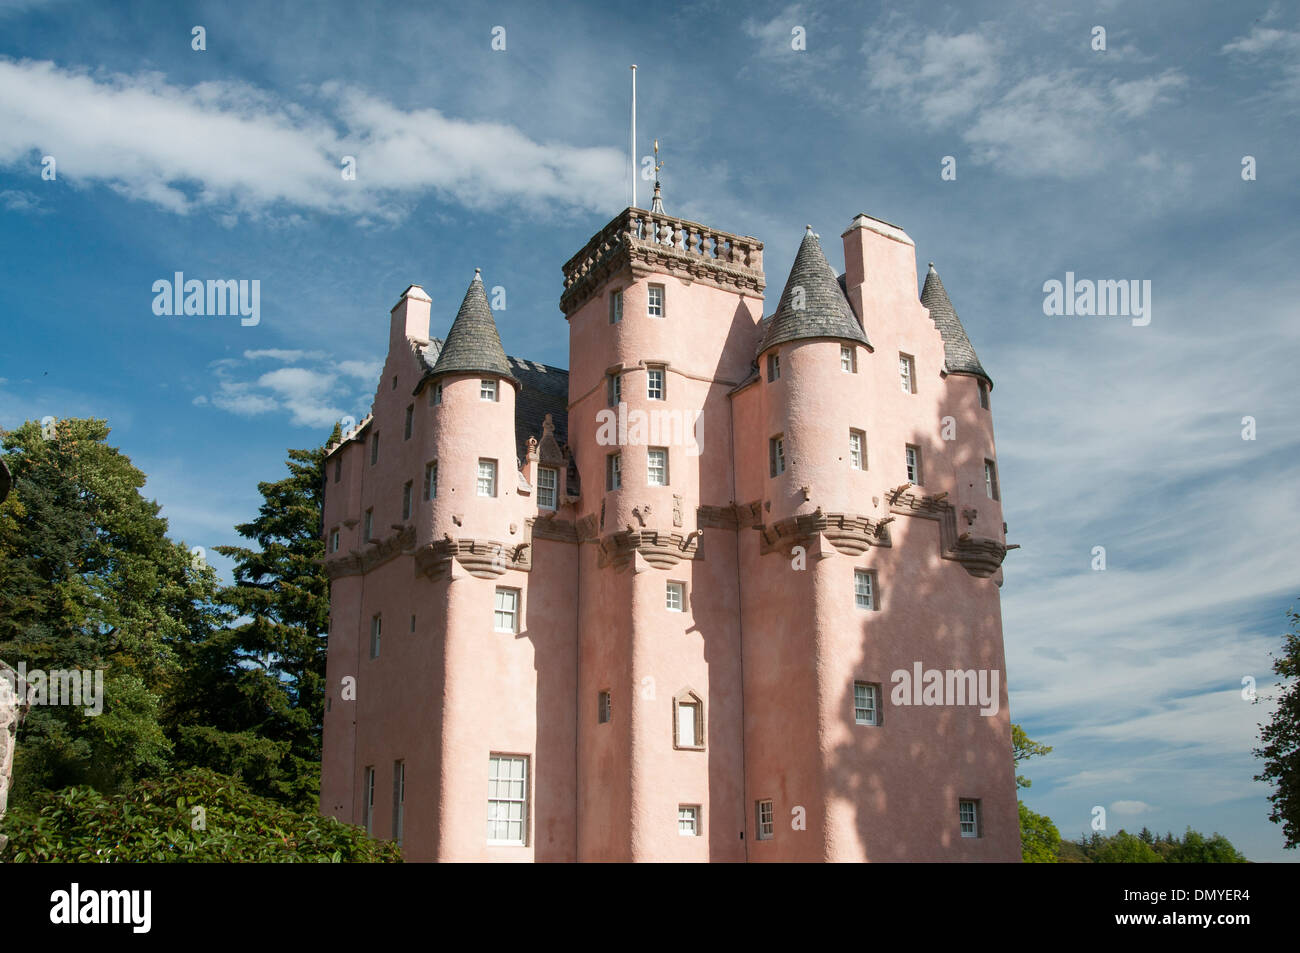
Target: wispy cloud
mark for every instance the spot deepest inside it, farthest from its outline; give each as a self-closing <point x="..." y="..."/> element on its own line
<point x="316" y="395"/>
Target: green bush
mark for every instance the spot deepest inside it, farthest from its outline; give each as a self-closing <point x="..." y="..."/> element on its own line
<point x="156" y="822"/>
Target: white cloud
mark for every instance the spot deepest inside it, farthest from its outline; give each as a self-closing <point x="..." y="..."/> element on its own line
<point x="1269" y="47"/>
<point x="236" y="149"/>
<point x="1130" y="807"/>
<point x="307" y="395"/>
<point x="367" y="371"/>
<point x="20" y="200"/>
<point x="287" y="356"/>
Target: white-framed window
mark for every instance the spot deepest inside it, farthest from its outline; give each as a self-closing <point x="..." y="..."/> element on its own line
<point x="399" y="799"/>
<point x="615" y="388"/>
<point x="991" y="479"/>
<point x="857" y="450"/>
<point x="984" y="395"/>
<point x="615" y="307"/>
<point x="487" y="390"/>
<point x="913" y="457"/>
<point x="613" y="471"/>
<point x="431" y="480"/>
<point x="604" y="708"/>
<point x="907" y="373"/>
<point x="548" y="481"/>
<point x="657" y="466"/>
<point x="654" y="383"/>
<point x="688" y="724"/>
<point x="968" y="813"/>
<point x="654" y="302"/>
<point x="406" y="500"/>
<point x="773" y="367"/>
<point x="487" y="477"/>
<point x="765" y="821"/>
<point x="688" y="820"/>
<point x="368" y="799"/>
<point x="374" y="448"/>
<point x="864" y="588"/>
<point x="507" y="821"/>
<point x="376" y="629"/>
<point x="776" y="455"/>
<point x="848" y="359"/>
<point x="676" y="599"/>
<point x="505" y="615"/>
<point x="334" y="540"/>
<point x="408" y="426"/>
<point x="866" y="703"/>
<point x="368" y="525"/>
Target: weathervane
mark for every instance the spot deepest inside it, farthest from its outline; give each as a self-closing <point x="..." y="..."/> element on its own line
<point x="657" y="203"/>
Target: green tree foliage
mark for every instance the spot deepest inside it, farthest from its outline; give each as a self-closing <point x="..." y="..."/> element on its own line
<point x="89" y="581"/>
<point x="197" y="816"/>
<point x="1124" y="848"/>
<point x="1039" y="838"/>
<point x="252" y="697"/>
<point x="1280" y="739"/>
<point x="1147" y="848"/>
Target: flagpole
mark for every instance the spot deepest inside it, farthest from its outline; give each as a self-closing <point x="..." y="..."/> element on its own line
<point x="634" y="135"/>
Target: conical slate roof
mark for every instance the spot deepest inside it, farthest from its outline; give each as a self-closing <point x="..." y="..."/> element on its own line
<point x="958" y="354"/>
<point x="825" y="312"/>
<point x="473" y="345"/>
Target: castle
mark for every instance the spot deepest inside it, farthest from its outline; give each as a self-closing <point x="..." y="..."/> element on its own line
<point x="661" y="606"/>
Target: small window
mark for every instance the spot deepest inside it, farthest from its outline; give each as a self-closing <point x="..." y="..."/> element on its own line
<point x="604" y="708"/>
<point x="374" y="449"/>
<point x="406" y="500"/>
<point x="689" y="723"/>
<point x="688" y="820"/>
<point x="334" y="541"/>
<point x="410" y="420"/>
<point x="505" y="616"/>
<point x="615" y="389"/>
<point x="394" y="382"/>
<point x="376" y="625"/>
<point x="907" y="373"/>
<point x="657" y="466"/>
<point x="412" y="623"/>
<point x="613" y="471"/>
<point x="968" y="813"/>
<point x="676" y="596"/>
<point x="487" y="477"/>
<point x="507" y="823"/>
<point x="857" y="450"/>
<point x="655" y="301"/>
<point x="436" y="396"/>
<point x="913" y="455"/>
<point x="848" y="360"/>
<point x="766" y="825"/>
<point x="487" y="390"/>
<point x="547" y="483"/>
<point x="773" y="367"/>
<point x="864" y="588"/>
<point x="369" y="803"/>
<point x="338" y="468"/>
<point x="984" y="395"/>
<point x="776" y="455"/>
<point x="431" y="480"/>
<point x="655" y="383"/>
<point x="399" y="799"/>
<point x="615" y="307"/>
<point x="368" y="528"/>
<point x="991" y="479"/>
<point x="866" y="703"/>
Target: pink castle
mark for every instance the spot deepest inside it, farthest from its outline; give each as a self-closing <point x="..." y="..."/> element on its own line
<point x="727" y="589"/>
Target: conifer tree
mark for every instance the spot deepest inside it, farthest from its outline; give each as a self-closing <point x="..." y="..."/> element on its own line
<point x="1280" y="748"/>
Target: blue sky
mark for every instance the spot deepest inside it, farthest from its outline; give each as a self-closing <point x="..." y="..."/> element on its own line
<point x="1117" y="164"/>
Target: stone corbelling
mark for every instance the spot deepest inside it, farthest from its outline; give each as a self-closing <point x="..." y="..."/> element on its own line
<point x="359" y="561"/>
<point x="981" y="557"/>
<point x="849" y="533"/>
<point x="484" y="558"/>
<point x="661" y="550"/>
<point x="561" y="531"/>
<point x="651" y="243"/>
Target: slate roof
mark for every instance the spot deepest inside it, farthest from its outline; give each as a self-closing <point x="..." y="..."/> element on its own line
<point x="542" y="390"/>
<point x="958" y="355"/>
<point x="825" y="313"/>
<point x="473" y="344"/>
